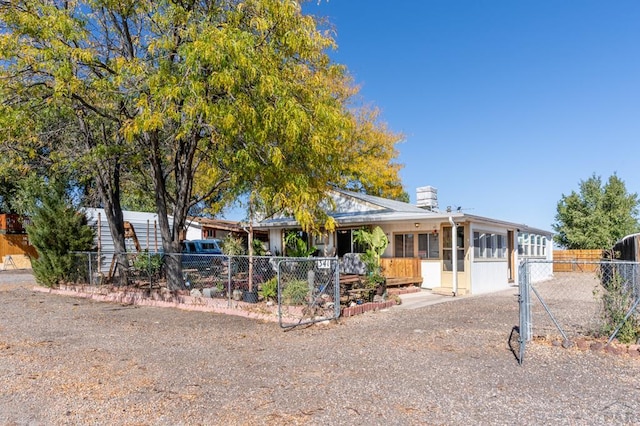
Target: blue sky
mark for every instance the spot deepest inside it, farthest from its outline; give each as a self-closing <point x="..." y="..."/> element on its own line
<point x="505" y="105"/>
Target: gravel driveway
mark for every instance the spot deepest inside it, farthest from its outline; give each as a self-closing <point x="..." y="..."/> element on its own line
<point x="66" y="360"/>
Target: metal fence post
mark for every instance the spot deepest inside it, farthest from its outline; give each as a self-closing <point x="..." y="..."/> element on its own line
<point x="229" y="289"/>
<point x="90" y="271"/>
<point x="524" y="329"/>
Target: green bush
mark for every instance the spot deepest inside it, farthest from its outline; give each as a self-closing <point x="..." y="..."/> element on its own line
<point x="233" y="246"/>
<point x="616" y="303"/>
<point x="269" y="289"/>
<point x="295" y="292"/>
<point x="57" y="230"/>
<point x="148" y="263"/>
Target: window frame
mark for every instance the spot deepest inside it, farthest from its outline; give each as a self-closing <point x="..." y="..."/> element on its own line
<point x="415" y="235"/>
<point x="447" y="252"/>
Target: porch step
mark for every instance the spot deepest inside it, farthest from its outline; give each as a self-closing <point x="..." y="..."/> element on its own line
<point x="447" y="291"/>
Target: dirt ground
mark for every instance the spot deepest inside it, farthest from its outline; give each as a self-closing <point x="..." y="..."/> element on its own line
<point x="66" y="360"/>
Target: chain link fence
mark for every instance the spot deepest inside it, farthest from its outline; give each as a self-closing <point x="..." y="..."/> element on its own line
<point x="594" y="300"/>
<point x="308" y="291"/>
<point x="305" y="290"/>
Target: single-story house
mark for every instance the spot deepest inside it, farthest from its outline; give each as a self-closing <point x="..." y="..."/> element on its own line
<point x="482" y="257"/>
<point x="220" y="229"/>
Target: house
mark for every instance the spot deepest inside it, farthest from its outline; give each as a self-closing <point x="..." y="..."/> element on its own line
<point x="220" y="229"/>
<point x="455" y="252"/>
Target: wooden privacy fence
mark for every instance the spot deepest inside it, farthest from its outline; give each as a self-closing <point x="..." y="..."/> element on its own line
<point x="401" y="270"/>
<point x="17" y="246"/>
<point x="576" y="260"/>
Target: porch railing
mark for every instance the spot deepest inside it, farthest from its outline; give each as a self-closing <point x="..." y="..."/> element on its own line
<point x="407" y="267"/>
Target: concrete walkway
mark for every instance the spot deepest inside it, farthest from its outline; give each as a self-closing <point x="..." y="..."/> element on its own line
<point x="17" y="276"/>
<point x="423" y="298"/>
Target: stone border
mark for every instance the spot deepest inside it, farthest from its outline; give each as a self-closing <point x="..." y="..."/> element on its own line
<point x="175" y="299"/>
<point x="594" y="345"/>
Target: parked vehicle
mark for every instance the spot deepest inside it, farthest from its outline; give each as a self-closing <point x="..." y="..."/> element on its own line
<point x="211" y="246"/>
<point x="203" y="257"/>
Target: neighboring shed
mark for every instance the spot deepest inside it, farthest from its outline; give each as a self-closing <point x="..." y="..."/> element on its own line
<point x="145" y="225"/>
<point x="628" y="248"/>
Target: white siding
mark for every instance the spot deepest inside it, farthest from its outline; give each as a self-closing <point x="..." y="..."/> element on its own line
<point x="487" y="277"/>
<point x="431" y="273"/>
<point x="145" y="225"/>
<point x="539" y="272"/>
<point x="194" y="231"/>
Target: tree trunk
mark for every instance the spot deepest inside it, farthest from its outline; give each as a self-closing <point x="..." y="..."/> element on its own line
<point x="108" y="184"/>
<point x="183" y="173"/>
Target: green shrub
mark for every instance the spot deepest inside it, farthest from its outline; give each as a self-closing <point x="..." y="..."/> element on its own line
<point x="57" y="230"/>
<point x="616" y="303"/>
<point x="148" y="263"/>
<point x="295" y="292"/>
<point x="233" y="246"/>
<point x="269" y="289"/>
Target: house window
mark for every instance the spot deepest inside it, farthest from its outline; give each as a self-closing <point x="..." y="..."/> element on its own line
<point x="427" y="246"/>
<point x="532" y="245"/>
<point x="345" y="243"/>
<point x="489" y="246"/>
<point x="403" y="244"/>
<point x="447" y="255"/>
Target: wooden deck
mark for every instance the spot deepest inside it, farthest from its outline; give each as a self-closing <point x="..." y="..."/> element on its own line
<point x="403" y="281"/>
<point x="349" y="280"/>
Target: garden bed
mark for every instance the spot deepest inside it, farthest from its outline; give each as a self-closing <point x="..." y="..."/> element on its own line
<point x="181" y="299"/>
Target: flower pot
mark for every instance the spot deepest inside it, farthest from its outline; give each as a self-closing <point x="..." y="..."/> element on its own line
<point x="250" y="296"/>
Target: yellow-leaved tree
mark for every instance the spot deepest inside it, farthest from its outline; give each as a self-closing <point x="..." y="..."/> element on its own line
<point x="208" y="100"/>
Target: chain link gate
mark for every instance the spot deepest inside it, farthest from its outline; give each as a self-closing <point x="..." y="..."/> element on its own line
<point x="308" y="291"/>
<point x="569" y="300"/>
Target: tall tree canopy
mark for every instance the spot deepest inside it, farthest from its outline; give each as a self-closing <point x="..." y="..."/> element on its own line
<point x="201" y="100"/>
<point x="597" y="216"/>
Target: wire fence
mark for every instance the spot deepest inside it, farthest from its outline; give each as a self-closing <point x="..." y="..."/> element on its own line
<point x="298" y="291"/>
<point x="308" y="291"/>
<point x="596" y="300"/>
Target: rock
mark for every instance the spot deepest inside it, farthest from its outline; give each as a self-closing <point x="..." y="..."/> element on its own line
<point x="378" y="298"/>
<point x="195" y="293"/>
<point x="582" y="344"/>
<point x="613" y="350"/>
<point x="209" y="292"/>
<point x="634" y="353"/>
<point x="567" y="344"/>
<point x="237" y="295"/>
<point x="556" y="343"/>
<point x="596" y="346"/>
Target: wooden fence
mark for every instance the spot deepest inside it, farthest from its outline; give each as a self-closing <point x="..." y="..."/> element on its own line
<point x="17" y="246"/>
<point x="401" y="270"/>
<point x="576" y="260"/>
